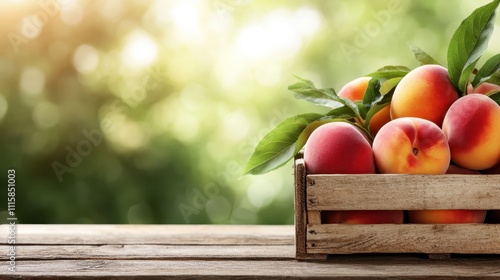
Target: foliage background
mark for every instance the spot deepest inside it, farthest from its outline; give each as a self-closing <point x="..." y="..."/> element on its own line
<point x="181" y="92"/>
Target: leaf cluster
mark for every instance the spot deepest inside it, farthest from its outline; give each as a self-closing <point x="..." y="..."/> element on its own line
<point x="466" y="47"/>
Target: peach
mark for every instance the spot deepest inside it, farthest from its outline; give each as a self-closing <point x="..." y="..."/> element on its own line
<point x="338" y="148"/>
<point x="472" y="127"/>
<point x="448" y="216"/>
<point x="354" y="91"/>
<point x="411" y="146"/>
<point x="363" y="217"/>
<point x="493" y="170"/>
<point x="380" y="119"/>
<point x="426" y="92"/>
<point x="486" y="88"/>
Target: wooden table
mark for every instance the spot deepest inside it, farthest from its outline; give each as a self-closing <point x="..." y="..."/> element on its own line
<point x="204" y="251"/>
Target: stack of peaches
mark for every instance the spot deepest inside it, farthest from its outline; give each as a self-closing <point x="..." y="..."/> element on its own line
<point x="426" y="129"/>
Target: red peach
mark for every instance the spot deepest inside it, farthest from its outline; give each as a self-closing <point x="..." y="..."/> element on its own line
<point x="338" y="148"/>
<point x="449" y="216"/>
<point x="472" y="127"/>
<point x="363" y="217"/>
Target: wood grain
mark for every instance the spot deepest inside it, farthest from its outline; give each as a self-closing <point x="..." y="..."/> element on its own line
<point x="151" y="234"/>
<point x="402" y="192"/>
<point x="252" y="256"/>
<point x="300" y="206"/>
<point x="346" y="268"/>
<point x="153" y="252"/>
<point x="404" y="238"/>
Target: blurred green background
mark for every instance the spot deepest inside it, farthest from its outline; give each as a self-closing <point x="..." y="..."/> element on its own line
<point x="146" y="111"/>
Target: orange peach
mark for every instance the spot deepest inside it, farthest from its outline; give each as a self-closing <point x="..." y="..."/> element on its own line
<point x="411" y="146"/>
<point x="472" y="127"/>
<point x="448" y="216"/>
<point x="338" y="148"/>
<point x="363" y="217"/>
<point x="426" y="92"/>
<point x="380" y="119"/>
<point x="354" y="91"/>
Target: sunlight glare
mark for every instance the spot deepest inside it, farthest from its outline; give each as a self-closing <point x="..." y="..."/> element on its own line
<point x="140" y="50"/>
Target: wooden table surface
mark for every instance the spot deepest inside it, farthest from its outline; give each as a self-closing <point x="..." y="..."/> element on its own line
<point x="205" y="251"/>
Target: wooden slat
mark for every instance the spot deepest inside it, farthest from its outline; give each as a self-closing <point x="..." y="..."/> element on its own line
<point x="404" y="192"/>
<point x="148" y="252"/>
<point x="340" y="268"/>
<point x="300" y="206"/>
<point x="404" y="238"/>
<point x="152" y="234"/>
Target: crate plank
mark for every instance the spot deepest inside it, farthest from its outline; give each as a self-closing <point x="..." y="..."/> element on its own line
<point x="403" y="238"/>
<point x="402" y="192"/>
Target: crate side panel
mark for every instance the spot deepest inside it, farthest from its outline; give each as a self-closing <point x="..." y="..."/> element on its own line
<point x="405" y="192"/>
<point x="406" y="238"/>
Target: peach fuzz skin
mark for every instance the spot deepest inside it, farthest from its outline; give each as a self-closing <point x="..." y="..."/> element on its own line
<point x="483" y="88"/>
<point x="354" y="91"/>
<point x="338" y="148"/>
<point x="472" y="127"/>
<point x="426" y="92"/>
<point x="411" y="146"/>
<point x="449" y="216"/>
<point x="363" y="217"/>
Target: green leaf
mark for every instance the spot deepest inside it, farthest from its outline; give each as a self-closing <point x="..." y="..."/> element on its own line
<point x="389" y="72"/>
<point x="278" y="146"/>
<point x="494" y="79"/>
<point x="490" y="67"/>
<point x="421" y="55"/>
<point x="305" y="89"/>
<point x="344" y="112"/>
<point x="372" y="94"/>
<point x="389" y="85"/>
<point x="468" y="43"/>
<point x="495" y="96"/>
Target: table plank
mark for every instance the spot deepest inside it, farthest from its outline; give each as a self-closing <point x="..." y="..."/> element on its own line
<point x="405" y="268"/>
<point x="146" y="252"/>
<point x="207" y="252"/>
<point x="152" y="234"/>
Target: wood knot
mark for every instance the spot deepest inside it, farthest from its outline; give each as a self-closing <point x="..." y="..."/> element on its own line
<point x="312" y="231"/>
<point x="310" y="181"/>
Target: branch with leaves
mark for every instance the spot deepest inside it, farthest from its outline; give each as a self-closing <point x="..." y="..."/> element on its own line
<point x="466" y="47"/>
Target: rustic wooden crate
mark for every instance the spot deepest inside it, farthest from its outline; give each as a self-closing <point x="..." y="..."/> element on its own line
<point x="315" y="193"/>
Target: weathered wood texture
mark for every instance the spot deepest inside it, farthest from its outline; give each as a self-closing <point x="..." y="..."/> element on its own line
<point x="316" y="193"/>
<point x="402" y="192"/>
<point x="206" y="252"/>
<point x="406" y="238"/>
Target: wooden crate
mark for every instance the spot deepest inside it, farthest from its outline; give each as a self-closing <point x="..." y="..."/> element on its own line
<point x="316" y="193"/>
